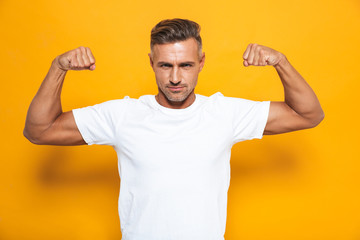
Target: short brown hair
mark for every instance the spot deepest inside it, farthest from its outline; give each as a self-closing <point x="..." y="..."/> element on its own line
<point x="175" y="30"/>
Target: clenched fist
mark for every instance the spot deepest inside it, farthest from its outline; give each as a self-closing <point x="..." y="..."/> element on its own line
<point x="258" y="55"/>
<point x="77" y="59"/>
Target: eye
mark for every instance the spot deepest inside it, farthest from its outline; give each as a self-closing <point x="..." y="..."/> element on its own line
<point x="186" y="65"/>
<point x="165" y="65"/>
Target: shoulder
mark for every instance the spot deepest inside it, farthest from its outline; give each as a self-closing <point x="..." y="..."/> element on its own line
<point x="234" y="107"/>
<point x="117" y="104"/>
<point x="114" y="108"/>
<point x="229" y="102"/>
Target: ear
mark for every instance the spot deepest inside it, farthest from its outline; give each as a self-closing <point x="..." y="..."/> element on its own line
<point x="202" y="61"/>
<point x="151" y="61"/>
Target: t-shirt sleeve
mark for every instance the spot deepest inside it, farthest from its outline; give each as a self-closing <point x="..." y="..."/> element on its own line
<point x="249" y="118"/>
<point x="97" y="124"/>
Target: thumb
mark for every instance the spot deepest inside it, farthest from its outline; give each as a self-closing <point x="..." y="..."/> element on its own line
<point x="92" y="67"/>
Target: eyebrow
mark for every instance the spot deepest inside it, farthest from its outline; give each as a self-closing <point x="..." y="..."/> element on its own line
<point x="182" y="63"/>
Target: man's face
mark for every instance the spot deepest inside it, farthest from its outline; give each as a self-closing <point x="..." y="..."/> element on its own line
<point x="176" y="66"/>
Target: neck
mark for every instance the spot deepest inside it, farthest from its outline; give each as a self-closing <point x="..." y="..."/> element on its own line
<point x="163" y="101"/>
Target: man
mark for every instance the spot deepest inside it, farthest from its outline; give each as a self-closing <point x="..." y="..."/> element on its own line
<point x="173" y="148"/>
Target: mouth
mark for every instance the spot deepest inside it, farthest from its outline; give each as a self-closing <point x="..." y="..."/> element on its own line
<point x="175" y="89"/>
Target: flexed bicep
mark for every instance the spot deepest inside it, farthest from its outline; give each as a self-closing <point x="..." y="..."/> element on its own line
<point x="283" y="118"/>
<point x="63" y="131"/>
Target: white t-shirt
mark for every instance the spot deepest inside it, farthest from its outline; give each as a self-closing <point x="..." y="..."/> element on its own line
<point x="174" y="164"/>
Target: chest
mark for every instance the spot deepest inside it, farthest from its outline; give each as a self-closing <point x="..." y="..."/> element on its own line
<point x="156" y="140"/>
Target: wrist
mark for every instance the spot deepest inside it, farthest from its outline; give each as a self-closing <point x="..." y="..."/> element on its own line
<point x="282" y="61"/>
<point x="56" y="65"/>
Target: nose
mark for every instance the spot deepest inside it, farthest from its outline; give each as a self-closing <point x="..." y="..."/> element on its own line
<point x="175" y="77"/>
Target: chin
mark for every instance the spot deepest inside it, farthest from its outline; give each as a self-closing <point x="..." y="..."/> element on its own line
<point x="179" y="98"/>
<point x="176" y="99"/>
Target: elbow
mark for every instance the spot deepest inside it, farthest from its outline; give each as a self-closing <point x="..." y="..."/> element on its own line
<point x="319" y="118"/>
<point x="30" y="137"/>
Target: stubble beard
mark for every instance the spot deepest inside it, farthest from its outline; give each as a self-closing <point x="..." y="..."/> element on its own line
<point x="179" y="96"/>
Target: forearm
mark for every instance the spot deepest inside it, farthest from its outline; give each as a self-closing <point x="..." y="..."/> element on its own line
<point x="298" y="94"/>
<point x="46" y="105"/>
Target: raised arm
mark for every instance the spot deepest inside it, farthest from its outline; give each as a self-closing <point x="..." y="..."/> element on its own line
<point x="46" y="123"/>
<point x="301" y="108"/>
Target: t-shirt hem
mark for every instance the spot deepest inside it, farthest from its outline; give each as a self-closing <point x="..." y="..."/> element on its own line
<point x="82" y="130"/>
<point x="263" y="120"/>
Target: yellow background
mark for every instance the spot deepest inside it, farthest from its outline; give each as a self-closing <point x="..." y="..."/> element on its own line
<point x="303" y="185"/>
